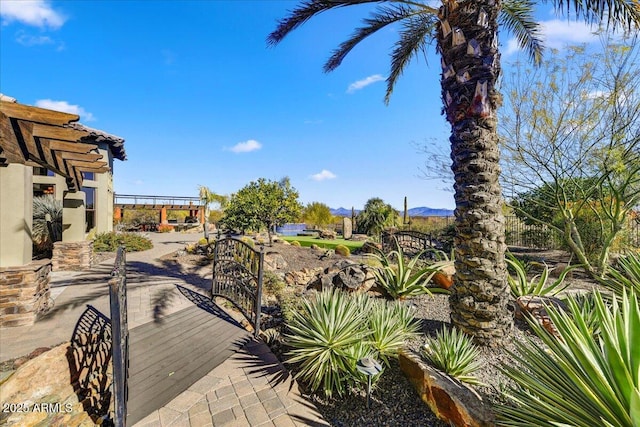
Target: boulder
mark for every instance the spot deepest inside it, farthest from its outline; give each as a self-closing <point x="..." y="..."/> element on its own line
<point x="327" y="234"/>
<point x="302" y="277"/>
<point x="42" y="387"/>
<point x="370" y="248"/>
<point x="274" y="261"/>
<point x="347" y="228"/>
<point x="444" y="277"/>
<point x="449" y="399"/>
<point x="346" y="275"/>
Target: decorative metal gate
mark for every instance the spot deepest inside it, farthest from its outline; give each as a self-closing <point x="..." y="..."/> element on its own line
<point x="120" y="337"/>
<point x="237" y="276"/>
<point x="411" y="242"/>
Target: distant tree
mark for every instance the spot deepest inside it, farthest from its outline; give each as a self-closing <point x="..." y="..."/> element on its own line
<point x="207" y="198"/>
<point x="570" y="140"/>
<point x="263" y="203"/>
<point x="376" y="216"/>
<point x="317" y="214"/>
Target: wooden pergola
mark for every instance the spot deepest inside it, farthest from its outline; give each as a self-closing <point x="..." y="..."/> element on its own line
<point x="35" y="136"/>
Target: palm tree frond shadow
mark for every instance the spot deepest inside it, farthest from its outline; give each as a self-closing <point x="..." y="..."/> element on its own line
<point x="205" y="303"/>
<point x="160" y="303"/>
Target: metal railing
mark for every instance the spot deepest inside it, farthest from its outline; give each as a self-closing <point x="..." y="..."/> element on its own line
<point x="120" y="337"/>
<point x="136" y="199"/>
<point x="237" y="276"/>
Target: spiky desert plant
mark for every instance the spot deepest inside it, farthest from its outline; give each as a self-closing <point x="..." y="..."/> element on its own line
<point x="454" y="353"/>
<point x="47" y="221"/>
<point x="625" y="276"/>
<point x="521" y="285"/>
<point x="391" y="325"/>
<point x="401" y="278"/>
<point x="579" y="379"/>
<point x="322" y="336"/>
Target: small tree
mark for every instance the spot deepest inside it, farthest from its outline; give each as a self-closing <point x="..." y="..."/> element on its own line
<point x="570" y="138"/>
<point x="207" y="198"/>
<point x="317" y="214"/>
<point x="376" y="216"/>
<point x="263" y="203"/>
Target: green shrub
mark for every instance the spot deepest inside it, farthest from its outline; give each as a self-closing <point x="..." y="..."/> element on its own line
<point x="165" y="228"/>
<point x="403" y="279"/>
<point x="295" y="243"/>
<point x="342" y="250"/>
<point x="329" y="334"/>
<point x="578" y="379"/>
<point x="273" y="284"/>
<point x="520" y="285"/>
<point x="454" y="353"/>
<point x="109" y="242"/>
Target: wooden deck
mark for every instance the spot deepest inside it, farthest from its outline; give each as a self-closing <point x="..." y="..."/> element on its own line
<point x="166" y="358"/>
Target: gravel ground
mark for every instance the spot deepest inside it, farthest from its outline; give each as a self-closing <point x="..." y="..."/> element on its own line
<point x="394" y="401"/>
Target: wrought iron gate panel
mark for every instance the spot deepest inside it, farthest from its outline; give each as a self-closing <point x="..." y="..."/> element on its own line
<point x="237" y="276"/>
<point x="411" y="242"/>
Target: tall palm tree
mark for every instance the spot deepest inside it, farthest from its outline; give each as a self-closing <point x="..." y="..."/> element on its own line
<point x="466" y="34"/>
<point x="207" y="197"/>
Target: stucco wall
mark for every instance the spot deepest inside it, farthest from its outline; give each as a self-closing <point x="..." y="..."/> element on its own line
<point x="16" y="215"/>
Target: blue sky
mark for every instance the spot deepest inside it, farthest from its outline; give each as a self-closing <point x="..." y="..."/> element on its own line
<point x="201" y="100"/>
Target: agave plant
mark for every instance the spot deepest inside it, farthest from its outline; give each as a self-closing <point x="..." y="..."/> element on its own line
<point x="454" y="353"/>
<point x="579" y="379"/>
<point x="626" y="275"/>
<point x="401" y="278"/>
<point x="520" y="285"/>
<point x="391" y="325"/>
<point x="323" y="335"/>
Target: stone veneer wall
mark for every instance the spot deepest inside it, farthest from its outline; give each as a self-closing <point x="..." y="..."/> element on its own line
<point x="24" y="293"/>
<point x="72" y="256"/>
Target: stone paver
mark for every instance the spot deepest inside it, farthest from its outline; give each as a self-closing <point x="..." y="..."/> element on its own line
<point x="250" y="389"/>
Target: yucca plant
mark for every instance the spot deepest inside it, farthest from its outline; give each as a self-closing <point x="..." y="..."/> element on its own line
<point x="401" y="278"/>
<point x="322" y="335"/>
<point x="453" y="352"/>
<point x="391" y="325"/>
<point x="625" y="276"/>
<point x="47" y="222"/>
<point x="521" y="285"/>
<point x="579" y="379"/>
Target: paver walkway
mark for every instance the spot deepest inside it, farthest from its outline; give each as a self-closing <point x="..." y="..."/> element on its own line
<point x="250" y="388"/>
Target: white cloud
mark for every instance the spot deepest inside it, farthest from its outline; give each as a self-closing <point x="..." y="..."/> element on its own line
<point x="247" y="146"/>
<point x="557" y="34"/>
<point x="323" y="175"/>
<point x="364" y="82"/>
<point x="29" y="40"/>
<point x="37" y="13"/>
<point x="65" y="107"/>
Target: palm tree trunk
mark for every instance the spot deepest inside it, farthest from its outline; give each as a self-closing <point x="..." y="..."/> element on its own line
<point x="467" y="40"/>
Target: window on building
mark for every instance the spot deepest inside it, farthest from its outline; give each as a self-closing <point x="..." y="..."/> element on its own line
<point x="40" y="171"/>
<point x="43" y="190"/>
<point x="88" y="175"/>
<point x="90" y="207"/>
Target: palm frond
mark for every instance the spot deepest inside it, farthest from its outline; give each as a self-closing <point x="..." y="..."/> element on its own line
<point x="382" y="17"/>
<point x="615" y="13"/>
<point x="417" y="31"/>
<point x="517" y="17"/>
<point x="307" y="10"/>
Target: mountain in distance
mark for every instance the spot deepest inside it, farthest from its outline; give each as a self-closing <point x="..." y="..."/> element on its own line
<point x="419" y="211"/>
<point x="425" y="211"/>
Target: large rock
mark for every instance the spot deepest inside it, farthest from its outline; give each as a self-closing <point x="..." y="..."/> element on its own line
<point x="450" y="400"/>
<point x="302" y="277"/>
<point x="346" y="275"/>
<point x="43" y="393"/>
<point x="327" y="234"/>
<point x="347" y="228"/>
<point x="274" y="261"/>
